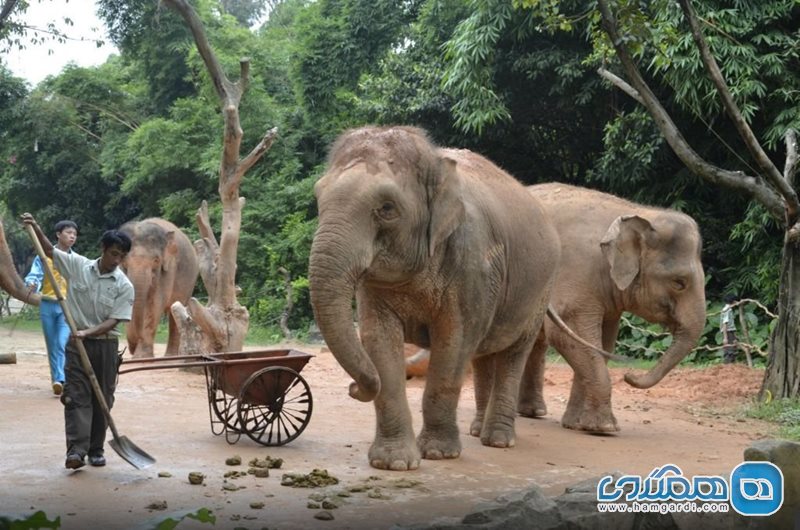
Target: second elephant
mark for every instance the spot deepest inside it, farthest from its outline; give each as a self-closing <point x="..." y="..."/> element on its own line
<point x="616" y="256"/>
<point x="163" y="267"/>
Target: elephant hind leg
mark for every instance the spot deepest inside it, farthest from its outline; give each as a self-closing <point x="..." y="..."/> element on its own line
<point x="531" y="397"/>
<point x="483" y="370"/>
<point x="501" y="411"/>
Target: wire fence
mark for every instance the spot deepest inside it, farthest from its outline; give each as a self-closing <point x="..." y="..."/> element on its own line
<point x="638" y="337"/>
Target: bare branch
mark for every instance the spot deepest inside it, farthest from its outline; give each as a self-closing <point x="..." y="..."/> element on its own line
<point x="770" y="172"/>
<point x="790" y="168"/>
<point x="259" y="150"/>
<point x="225" y="89"/>
<point x="621" y="84"/>
<point x="204" y="224"/>
<point x="207" y="251"/>
<point x="732" y="179"/>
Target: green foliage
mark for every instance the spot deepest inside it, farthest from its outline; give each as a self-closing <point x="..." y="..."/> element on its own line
<point x="203" y="515"/>
<point x="471" y="51"/>
<point x="642" y="340"/>
<point x="32" y="522"/>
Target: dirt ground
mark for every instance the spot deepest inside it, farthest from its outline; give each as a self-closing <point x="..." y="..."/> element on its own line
<point x="689" y="420"/>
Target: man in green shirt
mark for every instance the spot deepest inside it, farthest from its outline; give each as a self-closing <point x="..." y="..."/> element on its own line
<point x="100" y="296"/>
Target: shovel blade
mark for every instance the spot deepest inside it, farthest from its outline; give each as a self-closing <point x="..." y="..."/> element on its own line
<point x="131" y="453"/>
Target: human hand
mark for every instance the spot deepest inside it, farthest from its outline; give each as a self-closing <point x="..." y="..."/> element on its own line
<point x="28" y="219"/>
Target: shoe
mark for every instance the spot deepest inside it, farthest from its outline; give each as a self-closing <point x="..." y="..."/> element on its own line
<point x="97" y="460"/>
<point x="74" y="461"/>
<point x="58" y="388"/>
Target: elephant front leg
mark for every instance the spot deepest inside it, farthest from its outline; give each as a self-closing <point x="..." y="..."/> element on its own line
<point x="531" y="389"/>
<point x="589" y="406"/>
<point x="394" y="447"/>
<point x="439" y="437"/>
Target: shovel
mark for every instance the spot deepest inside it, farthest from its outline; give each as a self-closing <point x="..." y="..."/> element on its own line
<point x="121" y="444"/>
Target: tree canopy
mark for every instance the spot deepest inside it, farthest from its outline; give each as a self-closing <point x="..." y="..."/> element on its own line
<point x="516" y="81"/>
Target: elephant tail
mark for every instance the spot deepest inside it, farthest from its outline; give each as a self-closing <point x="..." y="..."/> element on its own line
<point x="555" y="319"/>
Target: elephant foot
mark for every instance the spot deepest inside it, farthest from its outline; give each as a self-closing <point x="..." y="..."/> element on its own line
<point x="593" y="422"/>
<point x="499" y="436"/>
<point x="439" y="447"/>
<point x="476" y="426"/>
<point x="533" y="409"/>
<point x="394" y="456"/>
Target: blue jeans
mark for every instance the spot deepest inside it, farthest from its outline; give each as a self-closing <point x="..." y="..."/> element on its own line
<point x="56" y="334"/>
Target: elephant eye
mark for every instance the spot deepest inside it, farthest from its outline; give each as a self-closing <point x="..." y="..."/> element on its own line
<point x="387" y="211"/>
<point x="679" y="284"/>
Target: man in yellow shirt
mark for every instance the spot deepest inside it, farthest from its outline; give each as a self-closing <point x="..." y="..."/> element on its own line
<point x="54" y="325"/>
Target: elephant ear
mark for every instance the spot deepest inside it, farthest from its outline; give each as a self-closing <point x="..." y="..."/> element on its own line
<point x="445" y="202"/>
<point x="170" y="252"/>
<point x="622" y="246"/>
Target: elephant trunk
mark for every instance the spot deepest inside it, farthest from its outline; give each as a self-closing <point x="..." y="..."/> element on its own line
<point x="10" y="281"/>
<point x="333" y="273"/>
<point x="141" y="329"/>
<point x="684" y="339"/>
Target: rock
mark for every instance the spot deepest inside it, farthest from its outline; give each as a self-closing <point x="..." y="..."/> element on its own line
<point x="786" y="455"/>
<point x="196" y="478"/>
<point x="235" y="460"/>
<point x="324" y="516"/>
<point x="8" y="358"/>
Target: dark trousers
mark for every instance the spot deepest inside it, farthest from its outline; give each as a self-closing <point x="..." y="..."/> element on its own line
<point x="84" y="421"/>
<point x="731" y="348"/>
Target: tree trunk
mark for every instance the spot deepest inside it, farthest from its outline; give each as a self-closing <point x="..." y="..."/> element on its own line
<point x="222" y="325"/>
<point x="782" y="379"/>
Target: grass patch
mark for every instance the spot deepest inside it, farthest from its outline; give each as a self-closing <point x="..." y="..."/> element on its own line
<point x="785" y="413"/>
<point x="27" y="320"/>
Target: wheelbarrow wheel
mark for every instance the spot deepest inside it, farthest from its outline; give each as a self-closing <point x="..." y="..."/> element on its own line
<point x="275" y="406"/>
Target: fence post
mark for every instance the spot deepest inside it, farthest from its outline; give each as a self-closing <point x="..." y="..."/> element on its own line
<point x="746" y="336"/>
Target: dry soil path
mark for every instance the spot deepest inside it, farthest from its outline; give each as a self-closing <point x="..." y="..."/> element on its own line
<point x="686" y="420"/>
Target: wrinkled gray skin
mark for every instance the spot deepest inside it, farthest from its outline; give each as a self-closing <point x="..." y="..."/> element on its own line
<point x="616" y="256"/>
<point x="441" y="249"/>
<point x="163" y="268"/>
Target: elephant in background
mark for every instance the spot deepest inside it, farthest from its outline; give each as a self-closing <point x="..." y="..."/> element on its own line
<point x="163" y="267"/>
<point x="441" y="249"/>
<point x="616" y="256"/>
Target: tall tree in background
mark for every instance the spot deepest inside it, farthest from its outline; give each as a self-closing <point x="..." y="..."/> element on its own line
<point x="222" y="324"/>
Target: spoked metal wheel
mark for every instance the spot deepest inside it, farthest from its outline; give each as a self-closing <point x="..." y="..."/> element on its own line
<point x="275" y="405"/>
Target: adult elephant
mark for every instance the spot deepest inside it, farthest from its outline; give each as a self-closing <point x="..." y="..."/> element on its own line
<point x="616" y="256"/>
<point x="163" y="267"/>
<point x="441" y="249"/>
